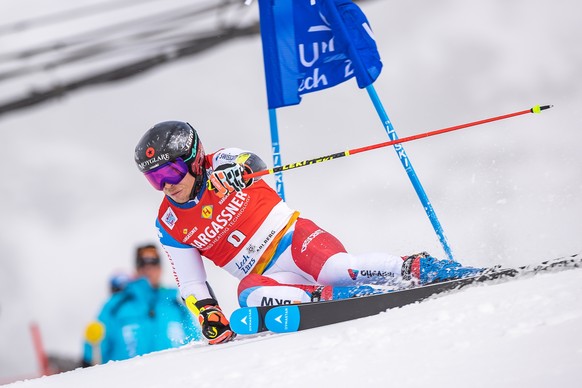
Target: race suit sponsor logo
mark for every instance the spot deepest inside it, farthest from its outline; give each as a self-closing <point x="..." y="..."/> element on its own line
<point x="221" y="221"/>
<point x="190" y="234"/>
<point x="266" y="241"/>
<point x="310" y="238"/>
<point x="274" y="301"/>
<point x="376" y="273"/>
<point x="369" y="273"/>
<point x="207" y="211"/>
<point x="169" y="218"/>
<point x="246" y="264"/>
<point x="226" y="157"/>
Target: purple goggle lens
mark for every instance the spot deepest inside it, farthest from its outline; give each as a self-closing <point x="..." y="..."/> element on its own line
<point x="172" y="173"/>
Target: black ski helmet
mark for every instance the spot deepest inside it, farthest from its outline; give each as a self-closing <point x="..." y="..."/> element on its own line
<point x="167" y="141"/>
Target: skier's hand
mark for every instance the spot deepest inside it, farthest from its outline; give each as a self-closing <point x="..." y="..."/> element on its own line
<point x="214" y="324"/>
<point x="226" y="179"/>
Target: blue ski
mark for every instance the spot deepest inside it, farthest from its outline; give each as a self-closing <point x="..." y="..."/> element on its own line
<point x="291" y="318"/>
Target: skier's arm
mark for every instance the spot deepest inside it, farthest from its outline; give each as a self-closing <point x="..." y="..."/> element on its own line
<point x="190" y="275"/>
<point x="189" y="272"/>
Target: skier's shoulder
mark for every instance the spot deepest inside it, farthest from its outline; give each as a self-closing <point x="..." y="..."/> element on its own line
<point x="112" y="305"/>
<point x="167" y="240"/>
<point x="249" y="159"/>
<point x="134" y="292"/>
<point x="226" y="155"/>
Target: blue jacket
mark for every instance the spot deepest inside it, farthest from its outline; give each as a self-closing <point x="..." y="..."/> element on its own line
<point x="139" y="320"/>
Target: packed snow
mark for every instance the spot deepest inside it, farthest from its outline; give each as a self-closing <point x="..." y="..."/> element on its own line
<point x="524" y="333"/>
<point x="74" y="206"/>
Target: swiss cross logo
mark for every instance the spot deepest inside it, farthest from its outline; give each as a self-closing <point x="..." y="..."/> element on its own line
<point x="169" y="218"/>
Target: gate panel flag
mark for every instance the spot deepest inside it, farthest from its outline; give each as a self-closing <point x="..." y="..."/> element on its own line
<point x="311" y="45"/>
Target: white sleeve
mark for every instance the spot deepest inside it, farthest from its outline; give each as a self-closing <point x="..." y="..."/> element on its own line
<point x="189" y="271"/>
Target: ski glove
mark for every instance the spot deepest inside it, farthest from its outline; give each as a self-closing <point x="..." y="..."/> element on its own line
<point x="227" y="178"/>
<point x="214" y="324"/>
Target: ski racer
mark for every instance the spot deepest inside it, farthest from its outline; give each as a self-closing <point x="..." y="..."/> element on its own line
<point x="242" y="225"/>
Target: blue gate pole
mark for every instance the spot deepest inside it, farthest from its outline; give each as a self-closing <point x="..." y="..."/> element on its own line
<point x="276" y="152"/>
<point x="410" y="171"/>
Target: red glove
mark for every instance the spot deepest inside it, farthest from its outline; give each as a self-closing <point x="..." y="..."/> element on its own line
<point x="214" y="324"/>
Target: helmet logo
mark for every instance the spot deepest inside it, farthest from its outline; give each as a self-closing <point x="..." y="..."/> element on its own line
<point x="150" y="152"/>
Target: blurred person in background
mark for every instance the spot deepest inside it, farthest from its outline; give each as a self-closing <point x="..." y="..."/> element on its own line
<point x="140" y="317"/>
<point x="118" y="281"/>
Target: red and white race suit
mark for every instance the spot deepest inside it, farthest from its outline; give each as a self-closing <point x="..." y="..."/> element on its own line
<point x="278" y="256"/>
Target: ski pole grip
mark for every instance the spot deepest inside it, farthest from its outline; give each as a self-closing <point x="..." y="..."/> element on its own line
<point x="539" y="109"/>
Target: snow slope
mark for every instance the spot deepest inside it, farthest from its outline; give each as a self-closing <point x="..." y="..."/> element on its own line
<point x="522" y="333"/>
<point x="74" y="206"/>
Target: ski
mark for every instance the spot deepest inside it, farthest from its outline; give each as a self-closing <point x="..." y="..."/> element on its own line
<point x="296" y="317"/>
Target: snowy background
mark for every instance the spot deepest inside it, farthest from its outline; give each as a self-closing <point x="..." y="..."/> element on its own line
<point x="74" y="206"/>
<point x="520" y="334"/>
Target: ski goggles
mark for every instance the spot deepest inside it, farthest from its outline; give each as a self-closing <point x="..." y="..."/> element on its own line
<point x="172" y="173"/>
<point x="147" y="261"/>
